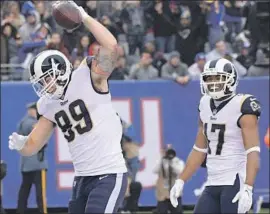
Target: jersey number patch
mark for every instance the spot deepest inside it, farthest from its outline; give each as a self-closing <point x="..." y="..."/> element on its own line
<point x="221" y="128"/>
<point x="80" y="114"/>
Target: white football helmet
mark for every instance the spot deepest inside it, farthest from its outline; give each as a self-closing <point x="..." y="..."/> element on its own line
<point x="219" y="78"/>
<point x="50" y="73"/>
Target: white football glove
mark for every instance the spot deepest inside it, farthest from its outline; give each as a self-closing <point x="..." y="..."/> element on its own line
<point x="17" y="141"/>
<point x="82" y="11"/>
<point x="244" y="198"/>
<point x="176" y="191"/>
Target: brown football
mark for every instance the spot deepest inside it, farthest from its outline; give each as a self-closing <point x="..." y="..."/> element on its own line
<point x="66" y="15"/>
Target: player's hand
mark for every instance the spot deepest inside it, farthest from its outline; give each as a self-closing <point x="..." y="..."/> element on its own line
<point x="176" y="192"/>
<point x="244" y="198"/>
<point x="82" y="11"/>
<point x="16" y="141"/>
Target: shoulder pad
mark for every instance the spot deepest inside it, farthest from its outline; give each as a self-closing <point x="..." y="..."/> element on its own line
<point x="202" y="100"/>
<point x="38" y="116"/>
<point x="40" y="110"/>
<point x="41" y="107"/>
<point x="250" y="105"/>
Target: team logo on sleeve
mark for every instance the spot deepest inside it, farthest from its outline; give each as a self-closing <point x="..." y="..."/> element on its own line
<point x="254" y="105"/>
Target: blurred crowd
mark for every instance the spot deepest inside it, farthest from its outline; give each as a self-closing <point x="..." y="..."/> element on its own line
<point x="156" y="39"/>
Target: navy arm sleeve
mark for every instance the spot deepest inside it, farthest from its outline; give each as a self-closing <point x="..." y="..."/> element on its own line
<point x="38" y="115"/>
<point x="250" y="106"/>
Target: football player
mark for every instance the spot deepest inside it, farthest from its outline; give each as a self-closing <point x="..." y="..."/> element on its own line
<point x="228" y="134"/>
<point x="79" y="103"/>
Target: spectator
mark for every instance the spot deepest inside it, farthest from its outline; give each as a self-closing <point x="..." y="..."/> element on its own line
<point x="33" y="168"/>
<point x="82" y="48"/>
<point x="93" y="49"/>
<point x="70" y="38"/>
<point x="130" y="149"/>
<point x="215" y="13"/>
<point x="163" y="27"/>
<point x="131" y="154"/>
<point x="27" y="6"/>
<point x="168" y="170"/>
<point x="4" y="48"/>
<point x="144" y="70"/>
<point x="57" y="44"/>
<point x="132" y="17"/>
<point x="174" y="69"/>
<point x="262" y="63"/>
<point x="19" y="53"/>
<point x="196" y="68"/>
<point x="257" y="14"/>
<point x="219" y="51"/>
<point x="3" y="172"/>
<point x="120" y="71"/>
<point x="245" y="58"/>
<point x="77" y="62"/>
<point x="159" y="61"/>
<point x="189" y="41"/>
<point x="8" y="32"/>
<point x="150" y="48"/>
<point x="130" y="59"/>
<point x="45" y="12"/>
<point x="233" y="18"/>
<point x="31" y="25"/>
<point x="240" y="41"/>
<point x="267" y="138"/>
<point x="91" y="8"/>
<point x="133" y="193"/>
<point x="241" y="70"/>
<point x="43" y="32"/>
<point x="17" y="19"/>
<point x="106" y="21"/>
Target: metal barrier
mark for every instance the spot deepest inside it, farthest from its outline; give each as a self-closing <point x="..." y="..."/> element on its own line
<point x="6" y="71"/>
<point x="9" y="73"/>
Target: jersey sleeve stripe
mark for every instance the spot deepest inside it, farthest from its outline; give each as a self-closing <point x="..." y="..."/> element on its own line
<point x="243" y="100"/>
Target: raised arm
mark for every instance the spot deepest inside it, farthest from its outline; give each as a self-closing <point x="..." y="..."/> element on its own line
<point x="100" y="32"/>
<point x="106" y="58"/>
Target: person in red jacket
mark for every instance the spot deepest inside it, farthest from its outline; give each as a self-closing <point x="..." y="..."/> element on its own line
<point x="266" y="138"/>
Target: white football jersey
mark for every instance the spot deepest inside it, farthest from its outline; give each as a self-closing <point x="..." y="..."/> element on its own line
<point x="90" y="125"/>
<point x="226" y="152"/>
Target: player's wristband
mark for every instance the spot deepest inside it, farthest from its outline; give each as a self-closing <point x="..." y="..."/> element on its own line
<point x="253" y="149"/>
<point x="179" y="182"/>
<point x="199" y="149"/>
<point x="248" y="187"/>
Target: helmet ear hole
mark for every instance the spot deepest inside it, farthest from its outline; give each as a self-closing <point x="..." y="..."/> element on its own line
<point x="53" y="64"/>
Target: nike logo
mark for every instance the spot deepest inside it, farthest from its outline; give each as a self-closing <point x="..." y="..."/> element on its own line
<point x="63" y="103"/>
<point x="100" y="178"/>
<point x="252" y="99"/>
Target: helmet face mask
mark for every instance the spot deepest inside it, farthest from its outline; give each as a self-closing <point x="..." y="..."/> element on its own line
<point x="45" y="85"/>
<point x="50" y="73"/>
<point x="217" y="82"/>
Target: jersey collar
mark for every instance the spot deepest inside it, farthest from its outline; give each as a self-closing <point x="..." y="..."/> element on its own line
<point x="215" y="109"/>
<point x="65" y="89"/>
